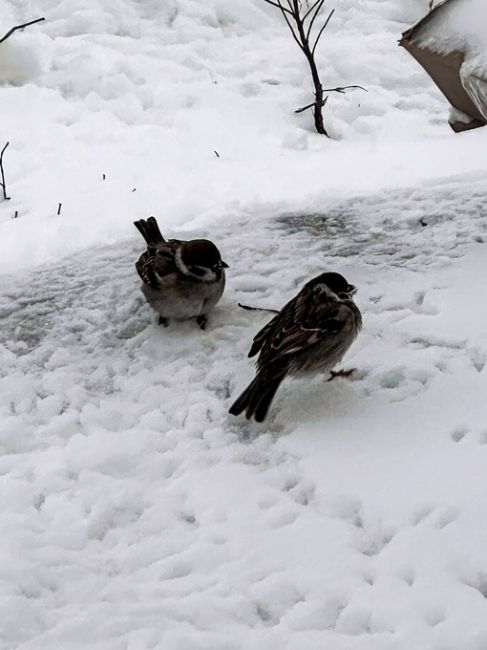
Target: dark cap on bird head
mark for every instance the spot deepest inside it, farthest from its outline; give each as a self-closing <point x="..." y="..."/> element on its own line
<point x="201" y="252"/>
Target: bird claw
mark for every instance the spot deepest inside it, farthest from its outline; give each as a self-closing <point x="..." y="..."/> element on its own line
<point x="202" y="321"/>
<point x="340" y="373"/>
<point x="163" y="321"/>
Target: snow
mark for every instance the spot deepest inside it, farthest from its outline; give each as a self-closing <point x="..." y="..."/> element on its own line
<point x="135" y="512"/>
<point x="459" y="25"/>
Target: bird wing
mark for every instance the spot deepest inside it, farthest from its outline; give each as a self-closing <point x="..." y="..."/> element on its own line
<point x="261" y="336"/>
<point x="303" y="322"/>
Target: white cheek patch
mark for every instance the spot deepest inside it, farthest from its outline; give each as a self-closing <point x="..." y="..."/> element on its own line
<point x="209" y="276"/>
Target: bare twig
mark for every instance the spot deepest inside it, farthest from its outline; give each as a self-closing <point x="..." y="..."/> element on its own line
<point x="305" y="108"/>
<point x="14" y="29"/>
<point x="248" y="308"/>
<point x="292" y="13"/>
<point x="338" y="89"/>
<point x="300" y="20"/>
<point x="2" y="183"/>
<point x="343" y="89"/>
<point x="279" y="6"/>
<point x="311" y="22"/>
<point x="325" y="25"/>
<point x="310" y="10"/>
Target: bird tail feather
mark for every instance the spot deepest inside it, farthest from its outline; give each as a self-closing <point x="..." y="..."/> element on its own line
<point x="149" y="230"/>
<point x="257" y="397"/>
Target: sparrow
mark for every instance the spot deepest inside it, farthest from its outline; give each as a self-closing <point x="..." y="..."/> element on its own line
<point x="310" y="334"/>
<point x="180" y="279"/>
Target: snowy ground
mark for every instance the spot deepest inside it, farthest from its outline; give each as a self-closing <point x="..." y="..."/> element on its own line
<point x="138" y="514"/>
<point x="135" y="512"/>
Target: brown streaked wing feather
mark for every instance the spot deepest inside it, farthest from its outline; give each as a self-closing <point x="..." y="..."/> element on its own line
<point x="273" y="326"/>
<point x="145" y="269"/>
<point x="150" y="264"/>
<point x="262" y="335"/>
<point x="309" y="323"/>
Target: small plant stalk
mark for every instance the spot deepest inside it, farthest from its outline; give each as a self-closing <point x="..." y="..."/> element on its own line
<point x="300" y="18"/>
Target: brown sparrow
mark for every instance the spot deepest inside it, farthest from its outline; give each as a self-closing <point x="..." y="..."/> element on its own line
<point x="310" y="334"/>
<point x="180" y="279"/>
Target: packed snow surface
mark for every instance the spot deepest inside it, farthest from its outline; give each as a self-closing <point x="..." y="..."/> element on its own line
<point x="135" y="512"/>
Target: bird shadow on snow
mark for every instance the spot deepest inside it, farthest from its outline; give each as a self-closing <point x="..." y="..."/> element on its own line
<point x="302" y="401"/>
<point x="308" y="401"/>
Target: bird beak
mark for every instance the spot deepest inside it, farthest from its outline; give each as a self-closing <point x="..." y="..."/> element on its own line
<point x="351" y="290"/>
<point x="224" y="265"/>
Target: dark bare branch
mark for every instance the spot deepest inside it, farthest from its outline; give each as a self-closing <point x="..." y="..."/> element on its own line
<point x="343" y="89"/>
<point x="14" y="29"/>
<point x="310" y="10"/>
<point x="311" y="22"/>
<point x="313" y="105"/>
<point x="294" y="35"/>
<point x="325" y="25"/>
<point x="301" y="18"/>
<point x="285" y="11"/>
<point x="279" y="6"/>
<point x="304" y="108"/>
<point x="249" y="308"/>
<point x="300" y="44"/>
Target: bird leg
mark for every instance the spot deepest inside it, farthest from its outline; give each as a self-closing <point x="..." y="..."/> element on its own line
<point x="202" y="320"/>
<point x="340" y="373"/>
<point x="163" y="321"/>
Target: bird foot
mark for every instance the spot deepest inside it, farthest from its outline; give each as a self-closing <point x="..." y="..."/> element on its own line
<point x="202" y="321"/>
<point x="163" y="321"/>
<point x="341" y="373"/>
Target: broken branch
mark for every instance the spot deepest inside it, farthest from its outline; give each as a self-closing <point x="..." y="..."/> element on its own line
<point x="14" y="29"/>
<point x="249" y="308"/>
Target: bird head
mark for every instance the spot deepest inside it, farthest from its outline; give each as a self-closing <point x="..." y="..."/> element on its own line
<point x="335" y="283"/>
<point x="201" y="260"/>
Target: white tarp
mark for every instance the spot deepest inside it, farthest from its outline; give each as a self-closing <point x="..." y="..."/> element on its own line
<point x="474" y="81"/>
